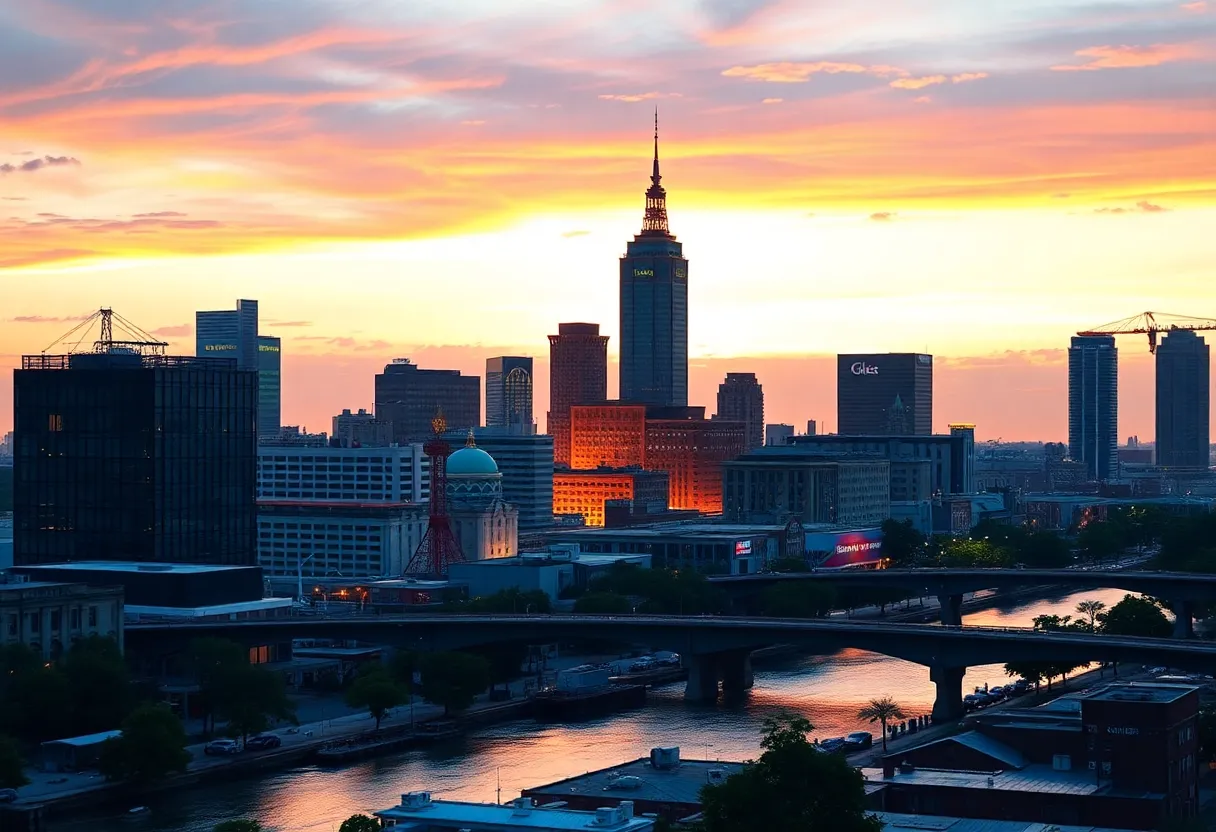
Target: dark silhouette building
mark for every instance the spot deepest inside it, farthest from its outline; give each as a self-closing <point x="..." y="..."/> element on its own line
<point x="1093" y="404"/>
<point x="233" y="333"/>
<point x="741" y="399"/>
<point x="578" y="374"/>
<point x="888" y="394"/>
<point x="130" y="457"/>
<point x="509" y="392"/>
<point x="408" y="396"/>
<point x="1183" y="400"/>
<point x="654" y="307"/>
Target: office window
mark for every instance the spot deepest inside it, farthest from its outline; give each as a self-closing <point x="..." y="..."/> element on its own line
<point x="92" y="616"/>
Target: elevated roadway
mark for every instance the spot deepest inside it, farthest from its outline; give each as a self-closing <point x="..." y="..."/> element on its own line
<point x="714" y="647"/>
<point x="1182" y="589"/>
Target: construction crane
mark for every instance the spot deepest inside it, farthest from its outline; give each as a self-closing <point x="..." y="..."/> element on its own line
<point x="136" y="340"/>
<point x="1150" y="323"/>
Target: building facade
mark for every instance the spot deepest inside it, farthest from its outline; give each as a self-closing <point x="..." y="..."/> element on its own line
<point x="951" y="456"/>
<point x="314" y="539"/>
<point x="782" y="483"/>
<point x="48" y="617"/>
<point x="270" y="385"/>
<point x="408" y="396"/>
<point x="131" y="457"/>
<point x="526" y="464"/>
<point x="607" y="435"/>
<point x="397" y="474"/>
<point x="654" y="307"/>
<point x="361" y="430"/>
<point x="1093" y="404"/>
<point x="509" y="392"/>
<point x="884" y="394"/>
<point x="741" y="399"/>
<point x="233" y="333"/>
<point x="584" y="493"/>
<point x="777" y="434"/>
<point x="578" y="374"/>
<point x="485" y="525"/>
<point x="1183" y="400"/>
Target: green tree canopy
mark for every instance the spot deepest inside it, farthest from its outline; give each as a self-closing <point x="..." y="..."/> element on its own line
<point x="603" y="603"/>
<point x="798" y="599"/>
<point x="360" y="823"/>
<point x="39" y="705"/>
<point x="793" y="787"/>
<point x="1188" y="544"/>
<point x="12" y="767"/>
<point x="513" y="600"/>
<point x="662" y="591"/>
<point x="99" y="683"/>
<point x="980" y="554"/>
<point x="901" y="542"/>
<point x="1101" y="540"/>
<point x="883" y="710"/>
<point x="377" y="691"/>
<point x="1135" y="615"/>
<point x="152" y="745"/>
<point x="453" y="680"/>
<point x="249" y="697"/>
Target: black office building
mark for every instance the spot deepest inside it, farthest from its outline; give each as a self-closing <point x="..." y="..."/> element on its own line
<point x="409" y="396"/>
<point x="129" y="457"/>
<point x="1093" y="404"/>
<point x="885" y="394"/>
<point x="654" y="307"/>
<point x="1183" y="400"/>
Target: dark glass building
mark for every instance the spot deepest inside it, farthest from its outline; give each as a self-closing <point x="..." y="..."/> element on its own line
<point x="270" y="385"/>
<point x="509" y="392"/>
<point x="1093" y="404"/>
<point x="1183" y="400"/>
<point x="578" y="374"/>
<point x="886" y="394"/>
<point x="233" y="333"/>
<point x="129" y="457"/>
<point x="654" y="307"/>
<point x="741" y="399"/>
<point x="408" y="396"/>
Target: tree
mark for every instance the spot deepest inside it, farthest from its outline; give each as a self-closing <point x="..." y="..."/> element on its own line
<point x="453" y="680"/>
<point x="1044" y="550"/>
<point x="40" y="705"/>
<point x="359" y="823"/>
<point x="793" y="787"/>
<point x="789" y="565"/>
<point x="152" y="745"/>
<point x="801" y="599"/>
<point x="882" y="710"/>
<point x="1207" y="734"/>
<point x="375" y="690"/>
<point x="1100" y="540"/>
<point x="902" y="544"/>
<point x="1188" y="544"/>
<point x="513" y="600"/>
<point x="602" y="603"/>
<point x="238" y="825"/>
<point x="1032" y="672"/>
<point x="506" y="661"/>
<point x="1135" y="616"/>
<point x="12" y="768"/>
<point x="1090" y="609"/>
<point x="981" y="554"/>
<point x="249" y="697"/>
<point x="211" y="659"/>
<point x="99" y="684"/>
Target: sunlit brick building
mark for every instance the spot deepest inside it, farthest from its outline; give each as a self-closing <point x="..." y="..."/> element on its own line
<point x="585" y="492"/>
<point x="578" y="374"/>
<point x="678" y="440"/>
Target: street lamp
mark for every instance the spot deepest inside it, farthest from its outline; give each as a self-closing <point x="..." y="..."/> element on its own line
<point x="300" y="575"/>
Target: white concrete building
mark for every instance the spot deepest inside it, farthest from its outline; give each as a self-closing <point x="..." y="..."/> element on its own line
<point x="418" y="812"/>
<point x="302" y="539"/>
<point x="398" y="474"/>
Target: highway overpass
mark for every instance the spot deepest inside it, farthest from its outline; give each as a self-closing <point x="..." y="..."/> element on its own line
<point x="1182" y="589"/>
<point x="713" y="647"/>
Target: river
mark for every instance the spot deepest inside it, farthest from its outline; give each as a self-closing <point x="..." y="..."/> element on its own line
<point x="828" y="690"/>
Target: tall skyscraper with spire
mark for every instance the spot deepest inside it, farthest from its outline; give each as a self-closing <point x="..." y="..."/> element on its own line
<point x="654" y="306"/>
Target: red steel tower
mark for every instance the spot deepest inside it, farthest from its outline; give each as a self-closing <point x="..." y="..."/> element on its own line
<point x="438" y="548"/>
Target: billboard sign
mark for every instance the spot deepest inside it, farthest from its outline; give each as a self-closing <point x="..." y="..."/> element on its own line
<point x="743" y="548"/>
<point x="838" y="550"/>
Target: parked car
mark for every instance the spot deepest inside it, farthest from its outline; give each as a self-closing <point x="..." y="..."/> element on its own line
<point x="833" y="745"/>
<point x="971" y="701"/>
<point x="262" y="741"/>
<point x="8" y="795"/>
<point x="221" y="747"/>
<point x="859" y="740"/>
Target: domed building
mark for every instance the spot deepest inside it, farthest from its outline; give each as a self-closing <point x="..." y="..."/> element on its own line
<point x="484" y="524"/>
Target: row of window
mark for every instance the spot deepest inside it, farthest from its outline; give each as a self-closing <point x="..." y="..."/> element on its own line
<point x="34" y="620"/>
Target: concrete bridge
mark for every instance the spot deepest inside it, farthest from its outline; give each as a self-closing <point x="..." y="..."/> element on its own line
<point x="1182" y="589"/>
<point x="714" y="648"/>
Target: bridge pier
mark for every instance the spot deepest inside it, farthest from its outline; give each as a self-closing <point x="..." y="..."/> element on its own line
<point x="1184" y="619"/>
<point x="737" y="675"/>
<point x="948" y="704"/>
<point x="702" y="685"/>
<point x="952" y="609"/>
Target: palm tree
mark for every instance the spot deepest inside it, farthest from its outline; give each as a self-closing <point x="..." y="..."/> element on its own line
<point x="882" y="710"/>
<point x="1091" y="609"/>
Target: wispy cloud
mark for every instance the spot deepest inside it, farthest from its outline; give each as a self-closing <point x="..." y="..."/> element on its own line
<point x="158" y="215"/>
<point x="772" y="101"/>
<point x="798" y="72"/>
<point x="576" y="233"/>
<point x="933" y="80"/>
<point x="44" y="319"/>
<point x="1127" y="56"/>
<point x="283" y="324"/>
<point x="1198" y="7"/>
<point x="883" y="216"/>
<point x="1141" y="207"/>
<point x="173" y="331"/>
<point x="38" y="164"/>
<point x="634" y="97"/>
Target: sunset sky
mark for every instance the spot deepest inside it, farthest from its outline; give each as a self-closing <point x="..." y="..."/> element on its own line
<point x="449" y="179"/>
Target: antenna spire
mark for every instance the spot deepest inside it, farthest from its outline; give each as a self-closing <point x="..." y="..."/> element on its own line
<point x="654" y="222"/>
<point x="654" y="176"/>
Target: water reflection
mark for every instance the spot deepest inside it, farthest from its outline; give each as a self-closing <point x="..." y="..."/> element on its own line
<point x="504" y="759"/>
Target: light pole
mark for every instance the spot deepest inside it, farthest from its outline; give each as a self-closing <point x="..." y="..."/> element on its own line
<point x="300" y="575"/>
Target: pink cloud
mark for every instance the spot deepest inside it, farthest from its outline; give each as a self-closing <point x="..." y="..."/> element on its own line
<point x="772" y="101"/>
<point x="1125" y="56"/>
<point x="918" y="83"/>
<point x="639" y="96"/>
<point x="1198" y="7"/>
<point x="798" y="72"/>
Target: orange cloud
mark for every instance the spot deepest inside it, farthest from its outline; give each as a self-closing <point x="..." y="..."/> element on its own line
<point x="641" y="96"/>
<point x="1126" y="56"/>
<point x="964" y="77"/>
<point x="918" y="83"/>
<point x="922" y="99"/>
<point x="798" y="72"/>
<point x="772" y="101"/>
<point x="1142" y="207"/>
<point x="883" y="216"/>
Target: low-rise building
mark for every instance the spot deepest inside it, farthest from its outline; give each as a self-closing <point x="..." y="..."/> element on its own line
<point x="307" y="539"/>
<point x="791" y="481"/>
<point x="550" y="571"/>
<point x="398" y="474"/>
<point x="525" y="461"/>
<point x="48" y="616"/>
<point x="361" y="430"/>
<point x="419" y="813"/>
<point x="584" y="493"/>
<point x="951" y="456"/>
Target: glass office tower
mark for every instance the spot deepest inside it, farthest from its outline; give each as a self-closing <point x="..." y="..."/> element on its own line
<point x="1093" y="404"/>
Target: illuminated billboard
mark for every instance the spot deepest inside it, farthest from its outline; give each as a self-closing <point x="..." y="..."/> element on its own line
<point x="838" y="550"/>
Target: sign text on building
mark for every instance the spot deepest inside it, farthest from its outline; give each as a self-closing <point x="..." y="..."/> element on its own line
<point x="219" y="347"/>
<point x="861" y="368"/>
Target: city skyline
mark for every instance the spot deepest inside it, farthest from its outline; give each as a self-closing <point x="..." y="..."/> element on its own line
<point x="173" y="164"/>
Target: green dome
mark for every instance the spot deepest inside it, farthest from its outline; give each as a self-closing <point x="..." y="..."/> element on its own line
<point x="470" y="460"/>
